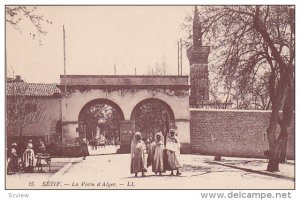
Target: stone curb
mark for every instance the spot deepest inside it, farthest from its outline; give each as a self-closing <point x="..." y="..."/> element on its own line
<point x="62" y="170"/>
<point x="256" y="171"/>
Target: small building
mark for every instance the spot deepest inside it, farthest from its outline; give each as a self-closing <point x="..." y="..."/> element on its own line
<point x="32" y="110"/>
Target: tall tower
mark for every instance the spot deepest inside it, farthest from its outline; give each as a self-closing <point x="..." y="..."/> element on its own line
<point x="198" y="58"/>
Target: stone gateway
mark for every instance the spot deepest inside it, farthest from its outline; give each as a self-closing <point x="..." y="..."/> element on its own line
<point x="125" y="93"/>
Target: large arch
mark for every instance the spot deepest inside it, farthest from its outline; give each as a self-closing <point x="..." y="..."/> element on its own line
<point x="153" y="100"/>
<point x="100" y="101"/>
<point x="85" y="130"/>
<point x="158" y="118"/>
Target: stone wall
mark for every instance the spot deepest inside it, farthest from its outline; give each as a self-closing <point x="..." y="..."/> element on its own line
<point x="233" y="133"/>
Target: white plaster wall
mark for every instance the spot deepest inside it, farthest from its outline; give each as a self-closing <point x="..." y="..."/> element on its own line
<point x="70" y="134"/>
<point x="47" y="126"/>
<point x="126" y="100"/>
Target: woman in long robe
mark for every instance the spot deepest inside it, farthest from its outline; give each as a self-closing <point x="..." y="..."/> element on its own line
<point x="173" y="152"/>
<point x="138" y="158"/>
<point x="12" y="167"/>
<point x="158" y="154"/>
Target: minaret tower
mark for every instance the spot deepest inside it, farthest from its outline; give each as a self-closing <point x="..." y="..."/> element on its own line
<point x="198" y="58"/>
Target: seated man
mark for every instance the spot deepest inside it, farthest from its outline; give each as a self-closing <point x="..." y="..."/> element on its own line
<point x="41" y="147"/>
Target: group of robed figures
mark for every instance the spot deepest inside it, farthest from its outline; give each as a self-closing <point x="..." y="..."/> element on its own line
<point x="161" y="157"/>
<point x="27" y="159"/>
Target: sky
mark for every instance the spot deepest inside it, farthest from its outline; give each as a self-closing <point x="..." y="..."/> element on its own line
<point x="97" y="38"/>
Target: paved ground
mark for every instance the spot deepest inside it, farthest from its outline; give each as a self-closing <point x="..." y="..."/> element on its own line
<point x="198" y="172"/>
<point x="23" y="180"/>
<point x="110" y="149"/>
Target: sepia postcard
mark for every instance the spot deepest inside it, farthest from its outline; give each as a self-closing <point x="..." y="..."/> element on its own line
<point x="128" y="97"/>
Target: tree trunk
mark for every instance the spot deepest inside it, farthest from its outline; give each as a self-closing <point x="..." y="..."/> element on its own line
<point x="20" y="144"/>
<point x="275" y="153"/>
<point x="282" y="156"/>
<point x="288" y="111"/>
<point x="278" y="151"/>
<point x="277" y="146"/>
<point x="273" y="165"/>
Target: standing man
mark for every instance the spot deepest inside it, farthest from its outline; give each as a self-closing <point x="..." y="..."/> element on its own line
<point x="157" y="153"/>
<point x="138" y="158"/>
<point x="173" y="152"/>
<point x="12" y="167"/>
<point x="84" y="148"/>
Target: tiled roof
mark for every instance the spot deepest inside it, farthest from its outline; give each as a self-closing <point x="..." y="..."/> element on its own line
<point x="31" y="89"/>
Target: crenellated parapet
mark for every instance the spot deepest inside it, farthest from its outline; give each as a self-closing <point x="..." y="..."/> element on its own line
<point x="198" y="54"/>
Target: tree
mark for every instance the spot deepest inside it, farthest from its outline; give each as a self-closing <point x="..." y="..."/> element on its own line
<point x="22" y="110"/>
<point x="226" y="92"/>
<point x="254" y="97"/>
<point x="102" y="116"/>
<point x="151" y="117"/>
<point x="254" y="52"/>
<point x="16" y="16"/>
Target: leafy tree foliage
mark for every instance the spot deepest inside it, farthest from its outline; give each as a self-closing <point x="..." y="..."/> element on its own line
<point x="151" y="118"/>
<point x="253" y="57"/>
<point x="104" y="118"/>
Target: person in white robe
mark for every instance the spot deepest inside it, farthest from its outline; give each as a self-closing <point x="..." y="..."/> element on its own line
<point x="138" y="155"/>
<point x="157" y="153"/>
<point x="173" y="152"/>
<point x="28" y="158"/>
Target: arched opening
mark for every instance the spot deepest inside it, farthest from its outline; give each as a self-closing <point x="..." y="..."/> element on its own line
<point x="152" y="115"/>
<point x="100" y="122"/>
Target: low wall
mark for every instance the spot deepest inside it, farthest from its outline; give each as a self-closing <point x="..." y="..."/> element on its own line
<point x="238" y="133"/>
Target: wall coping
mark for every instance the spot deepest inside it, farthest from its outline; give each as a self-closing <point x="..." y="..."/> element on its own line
<point x="229" y="110"/>
<point x="123" y="80"/>
<point x="124" y="76"/>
